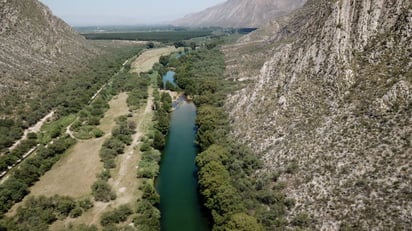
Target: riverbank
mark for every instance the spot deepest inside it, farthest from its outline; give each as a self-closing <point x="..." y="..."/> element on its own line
<point x="177" y="184"/>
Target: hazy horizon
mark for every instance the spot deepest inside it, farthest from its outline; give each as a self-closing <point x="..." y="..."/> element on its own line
<point x="124" y="12"/>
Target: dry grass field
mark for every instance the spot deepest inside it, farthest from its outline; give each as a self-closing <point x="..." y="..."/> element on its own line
<point x="75" y="173"/>
<point x="146" y="60"/>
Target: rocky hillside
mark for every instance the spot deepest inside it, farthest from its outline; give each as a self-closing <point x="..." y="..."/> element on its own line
<point x="34" y="44"/>
<point x="240" y="13"/>
<point x="331" y="110"/>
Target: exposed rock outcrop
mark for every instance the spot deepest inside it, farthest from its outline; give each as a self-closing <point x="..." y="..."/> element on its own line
<point x="34" y="43"/>
<point x="240" y="13"/>
<point x="334" y="100"/>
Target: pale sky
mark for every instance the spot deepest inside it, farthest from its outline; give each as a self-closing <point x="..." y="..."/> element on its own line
<point x="124" y="12"/>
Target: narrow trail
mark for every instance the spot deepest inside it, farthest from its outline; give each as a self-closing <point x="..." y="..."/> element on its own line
<point x="76" y="171"/>
<point x="124" y="183"/>
<point x="35" y="128"/>
<point x="136" y="139"/>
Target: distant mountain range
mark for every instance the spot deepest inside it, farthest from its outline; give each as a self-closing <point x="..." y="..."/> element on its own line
<point x="240" y="13"/>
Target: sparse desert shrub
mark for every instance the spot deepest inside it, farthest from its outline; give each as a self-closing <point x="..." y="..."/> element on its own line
<point x="302" y="220"/>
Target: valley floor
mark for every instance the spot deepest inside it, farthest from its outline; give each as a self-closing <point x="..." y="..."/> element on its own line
<point x="75" y="173"/>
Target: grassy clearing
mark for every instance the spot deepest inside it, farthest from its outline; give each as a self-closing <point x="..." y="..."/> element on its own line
<point x="54" y="129"/>
<point x="123" y="180"/>
<point x="74" y="174"/>
<point x="124" y="183"/>
<point x="145" y="62"/>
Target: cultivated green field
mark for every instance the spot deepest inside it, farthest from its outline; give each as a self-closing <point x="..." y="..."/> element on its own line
<point x="160" y="36"/>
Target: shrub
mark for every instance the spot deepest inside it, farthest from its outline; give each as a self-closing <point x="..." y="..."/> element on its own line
<point x="76" y="212"/>
<point x="102" y="191"/>
<point x="86" y="204"/>
<point x="116" y="216"/>
<point x="98" y="133"/>
<point x="301" y="220"/>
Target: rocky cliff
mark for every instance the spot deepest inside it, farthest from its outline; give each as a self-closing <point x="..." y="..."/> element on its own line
<point x="240" y="13"/>
<point x="330" y="108"/>
<point x="34" y="43"/>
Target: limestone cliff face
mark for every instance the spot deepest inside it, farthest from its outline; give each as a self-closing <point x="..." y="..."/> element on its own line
<point x="33" y="43"/>
<point x="240" y="13"/>
<point x="334" y="101"/>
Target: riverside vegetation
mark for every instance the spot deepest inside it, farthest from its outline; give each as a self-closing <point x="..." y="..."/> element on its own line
<point x="148" y="169"/>
<point x="236" y="196"/>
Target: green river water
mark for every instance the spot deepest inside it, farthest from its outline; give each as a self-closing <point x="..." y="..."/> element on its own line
<point x="180" y="204"/>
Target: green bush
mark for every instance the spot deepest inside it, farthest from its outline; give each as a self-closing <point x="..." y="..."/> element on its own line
<point x="82" y="227"/>
<point x="148" y="169"/>
<point x="85" y="204"/>
<point x="76" y="212"/>
<point x="243" y="222"/>
<point x="116" y="216"/>
<point x="37" y="213"/>
<point x="102" y="191"/>
<point x="149" y="192"/>
<point x="301" y="220"/>
<point x="145" y="147"/>
<point x="16" y="187"/>
<point x="98" y="133"/>
<point x="149" y="216"/>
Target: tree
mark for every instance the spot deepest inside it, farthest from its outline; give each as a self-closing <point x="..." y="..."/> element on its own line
<point x="159" y="141"/>
<point x="193" y="45"/>
<point x="164" y="60"/>
<point x="243" y="222"/>
<point x="213" y="153"/>
<point x="116" y="216"/>
<point x="180" y="44"/>
<point x="102" y="191"/>
<point x="150" y="45"/>
<point x="166" y="101"/>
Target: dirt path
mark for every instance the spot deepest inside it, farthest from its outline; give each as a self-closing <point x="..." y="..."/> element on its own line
<point x="145" y="61"/>
<point x="74" y="174"/>
<point x="123" y="181"/>
<point x="35" y="128"/>
<point x="121" y="178"/>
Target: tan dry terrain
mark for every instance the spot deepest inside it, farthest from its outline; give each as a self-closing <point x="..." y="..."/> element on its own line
<point x="75" y="173"/>
<point x="123" y="181"/>
<point x="146" y="60"/>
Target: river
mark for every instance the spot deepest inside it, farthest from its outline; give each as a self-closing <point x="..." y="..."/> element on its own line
<point x="180" y="205"/>
<point x="169" y="77"/>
